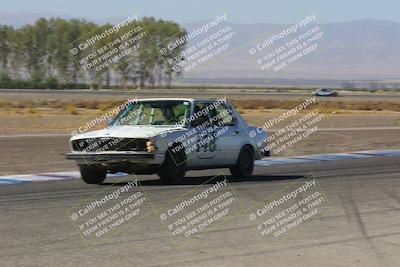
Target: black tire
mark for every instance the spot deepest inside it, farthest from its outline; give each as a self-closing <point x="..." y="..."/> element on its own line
<point x="92" y="174"/>
<point x="173" y="169"/>
<point x="245" y="164"/>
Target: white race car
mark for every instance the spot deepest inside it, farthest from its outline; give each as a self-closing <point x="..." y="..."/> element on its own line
<point x="168" y="137"/>
<point x="325" y="92"/>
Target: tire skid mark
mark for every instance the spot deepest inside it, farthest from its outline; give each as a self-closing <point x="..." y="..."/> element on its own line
<point x="346" y="209"/>
<point x="360" y="223"/>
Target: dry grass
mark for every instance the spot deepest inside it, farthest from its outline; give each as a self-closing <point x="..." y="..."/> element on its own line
<point x="325" y="106"/>
<point x="72" y="106"/>
<point x="87" y="104"/>
<point x="32" y="110"/>
<point x="72" y="110"/>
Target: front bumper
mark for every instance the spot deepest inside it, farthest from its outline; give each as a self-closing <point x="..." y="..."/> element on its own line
<point x="110" y="156"/>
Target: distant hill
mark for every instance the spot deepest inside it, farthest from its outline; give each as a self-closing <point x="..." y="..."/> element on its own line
<point x="363" y="49"/>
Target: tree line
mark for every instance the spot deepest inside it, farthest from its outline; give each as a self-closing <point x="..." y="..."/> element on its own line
<point x="38" y="56"/>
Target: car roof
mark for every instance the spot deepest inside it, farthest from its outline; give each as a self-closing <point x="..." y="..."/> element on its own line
<point x="175" y="99"/>
<point x="165" y="99"/>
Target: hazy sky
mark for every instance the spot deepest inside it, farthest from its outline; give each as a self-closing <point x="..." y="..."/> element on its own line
<point x="277" y="11"/>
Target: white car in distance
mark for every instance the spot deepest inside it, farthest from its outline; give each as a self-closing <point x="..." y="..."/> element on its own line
<point x="325" y="92"/>
<point x="169" y="136"/>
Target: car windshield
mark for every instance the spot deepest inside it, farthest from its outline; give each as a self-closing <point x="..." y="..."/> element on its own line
<point x="170" y="112"/>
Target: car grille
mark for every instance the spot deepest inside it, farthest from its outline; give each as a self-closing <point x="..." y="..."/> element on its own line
<point x="109" y="144"/>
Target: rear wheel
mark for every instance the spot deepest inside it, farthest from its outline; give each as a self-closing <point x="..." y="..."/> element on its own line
<point x="93" y="174"/>
<point x="173" y="170"/>
<point x="245" y="164"/>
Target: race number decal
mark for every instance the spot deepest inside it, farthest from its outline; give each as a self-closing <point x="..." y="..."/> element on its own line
<point x="206" y="142"/>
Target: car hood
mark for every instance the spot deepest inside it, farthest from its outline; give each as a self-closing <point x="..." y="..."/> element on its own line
<point x="128" y="132"/>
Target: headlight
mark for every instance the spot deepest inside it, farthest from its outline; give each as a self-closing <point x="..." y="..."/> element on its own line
<point x="151" y="146"/>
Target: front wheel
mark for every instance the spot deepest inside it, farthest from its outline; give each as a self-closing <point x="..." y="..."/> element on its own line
<point x="92" y="174"/>
<point x="173" y="169"/>
<point x="245" y="164"/>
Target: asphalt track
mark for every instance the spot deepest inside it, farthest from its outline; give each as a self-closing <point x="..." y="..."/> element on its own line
<point x="146" y="93"/>
<point x="358" y="226"/>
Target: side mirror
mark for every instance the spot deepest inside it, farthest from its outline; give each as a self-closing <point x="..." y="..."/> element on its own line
<point x="109" y="121"/>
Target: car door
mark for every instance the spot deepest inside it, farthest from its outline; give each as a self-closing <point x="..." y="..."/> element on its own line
<point x="202" y="127"/>
<point x="227" y="132"/>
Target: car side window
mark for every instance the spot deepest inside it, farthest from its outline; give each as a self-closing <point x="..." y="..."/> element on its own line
<point x="201" y="116"/>
<point x="223" y="115"/>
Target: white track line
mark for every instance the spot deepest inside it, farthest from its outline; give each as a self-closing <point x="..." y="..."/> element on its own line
<point x="327" y="157"/>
